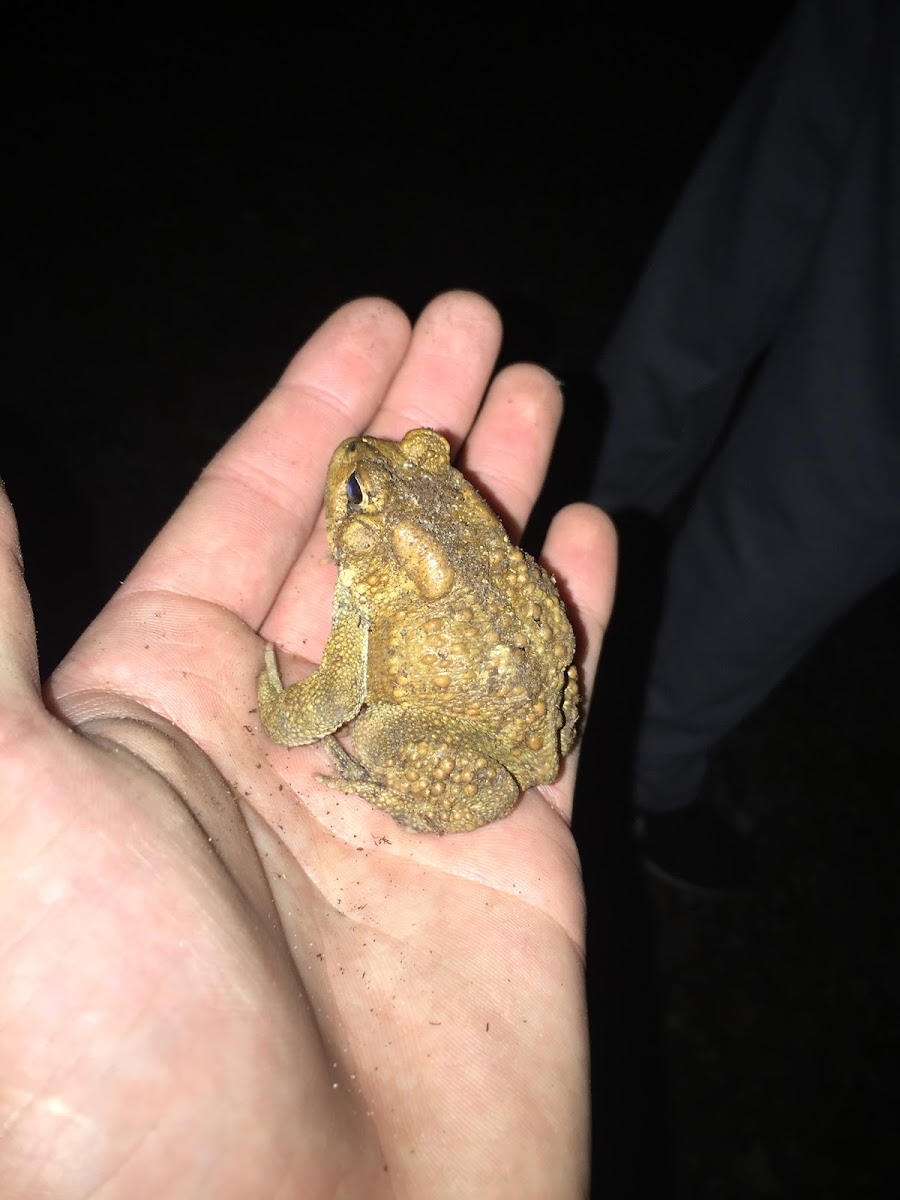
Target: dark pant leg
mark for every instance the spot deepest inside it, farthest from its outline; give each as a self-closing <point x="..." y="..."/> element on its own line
<point x="798" y="515"/>
<point x="726" y="271"/>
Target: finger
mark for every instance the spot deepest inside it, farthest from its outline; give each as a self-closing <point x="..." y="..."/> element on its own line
<point x="243" y="523"/>
<point x="448" y="366"/>
<point x="508" y="450"/>
<point x="580" y="551"/>
<point x="19" y="685"/>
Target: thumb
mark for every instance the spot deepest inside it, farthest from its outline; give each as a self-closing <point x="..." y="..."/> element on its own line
<point x="19" y="678"/>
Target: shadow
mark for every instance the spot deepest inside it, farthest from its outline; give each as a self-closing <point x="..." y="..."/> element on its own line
<point x="632" y="1154"/>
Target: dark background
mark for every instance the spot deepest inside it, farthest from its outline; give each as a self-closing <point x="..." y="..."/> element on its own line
<point x="188" y="203"/>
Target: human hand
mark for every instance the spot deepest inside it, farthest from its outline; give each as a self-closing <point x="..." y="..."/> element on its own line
<point x="219" y="978"/>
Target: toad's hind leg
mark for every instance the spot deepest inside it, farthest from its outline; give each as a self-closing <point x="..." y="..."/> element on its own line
<point x="420" y="768"/>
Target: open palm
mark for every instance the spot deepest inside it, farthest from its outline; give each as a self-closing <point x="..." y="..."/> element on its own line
<point x="219" y="978"/>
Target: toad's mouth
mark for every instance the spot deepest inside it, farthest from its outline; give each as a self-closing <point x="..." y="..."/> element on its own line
<point x="355" y="533"/>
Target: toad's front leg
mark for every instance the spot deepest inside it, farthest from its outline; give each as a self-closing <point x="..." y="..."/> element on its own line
<point x="310" y="710"/>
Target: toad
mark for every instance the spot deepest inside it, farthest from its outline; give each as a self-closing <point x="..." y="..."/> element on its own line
<point x="450" y="655"/>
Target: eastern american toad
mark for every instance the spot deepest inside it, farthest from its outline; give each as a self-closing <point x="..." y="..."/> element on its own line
<point x="450" y="650"/>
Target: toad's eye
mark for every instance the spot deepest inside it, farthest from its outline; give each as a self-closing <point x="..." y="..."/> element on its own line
<point x="354" y="490"/>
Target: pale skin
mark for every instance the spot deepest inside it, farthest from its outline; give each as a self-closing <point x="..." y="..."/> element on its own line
<point x="219" y="978"/>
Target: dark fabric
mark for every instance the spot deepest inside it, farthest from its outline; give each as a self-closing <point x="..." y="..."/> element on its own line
<point x="761" y="349"/>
